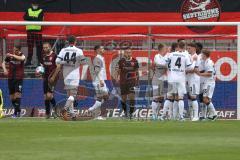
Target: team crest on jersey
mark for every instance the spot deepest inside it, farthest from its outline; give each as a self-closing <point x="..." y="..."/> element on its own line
<point x="201" y="11"/>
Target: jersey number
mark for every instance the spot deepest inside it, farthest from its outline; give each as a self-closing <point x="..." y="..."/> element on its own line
<point x="177" y="63"/>
<point x="72" y="59"/>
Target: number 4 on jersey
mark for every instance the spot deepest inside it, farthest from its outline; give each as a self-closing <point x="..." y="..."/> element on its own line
<point x="178" y="62"/>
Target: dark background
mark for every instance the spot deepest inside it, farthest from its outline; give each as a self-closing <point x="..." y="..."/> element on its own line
<point x="100" y="6"/>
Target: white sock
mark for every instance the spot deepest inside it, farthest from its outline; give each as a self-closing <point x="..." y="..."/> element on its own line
<point x="195" y="108"/>
<point x="96" y="105"/>
<point x="175" y="110"/>
<point x="170" y="112"/>
<point x="203" y="110"/>
<point x="166" y="106"/>
<point x="154" y="108"/>
<point x="190" y="107"/>
<point x="212" y="111"/>
<point x="69" y="105"/>
<point x="181" y="108"/>
<point x="159" y="105"/>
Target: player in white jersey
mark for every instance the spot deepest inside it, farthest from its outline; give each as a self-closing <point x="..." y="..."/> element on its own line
<point x="193" y="83"/>
<point x="158" y="80"/>
<point x="70" y="59"/>
<point x="207" y="74"/>
<point x="99" y="78"/>
<point x="177" y="62"/>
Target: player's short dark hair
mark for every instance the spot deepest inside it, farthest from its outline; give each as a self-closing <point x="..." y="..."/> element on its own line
<point x="173" y="47"/>
<point x="48" y="43"/>
<point x="18" y="46"/>
<point x="192" y="44"/>
<point x="206" y="52"/>
<point x="97" y="47"/>
<point x="71" y="39"/>
<point x="161" y="46"/>
<point x="180" y="40"/>
<point x="199" y="45"/>
<point x="181" y="45"/>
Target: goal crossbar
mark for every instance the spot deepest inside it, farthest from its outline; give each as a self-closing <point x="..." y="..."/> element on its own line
<point x="51" y="23"/>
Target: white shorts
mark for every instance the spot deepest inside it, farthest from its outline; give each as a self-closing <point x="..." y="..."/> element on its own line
<point x="71" y="83"/>
<point x="158" y="88"/>
<point x="193" y="88"/>
<point x="176" y="88"/>
<point x="100" y="91"/>
<point x="208" y="89"/>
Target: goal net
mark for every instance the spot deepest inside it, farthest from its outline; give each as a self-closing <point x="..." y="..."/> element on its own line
<point x="143" y="39"/>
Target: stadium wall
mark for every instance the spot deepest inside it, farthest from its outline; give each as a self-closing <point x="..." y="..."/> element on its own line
<point x="225" y="95"/>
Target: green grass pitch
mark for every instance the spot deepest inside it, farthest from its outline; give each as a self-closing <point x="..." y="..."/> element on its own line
<point x="40" y="139"/>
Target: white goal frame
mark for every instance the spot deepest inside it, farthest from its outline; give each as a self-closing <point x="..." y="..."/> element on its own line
<point x="149" y="25"/>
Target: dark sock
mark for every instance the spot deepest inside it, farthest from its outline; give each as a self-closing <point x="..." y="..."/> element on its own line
<point x="17" y="106"/>
<point x="53" y="102"/>
<point x="75" y="103"/>
<point x="124" y="106"/>
<point x="132" y="104"/>
<point x="132" y="109"/>
<point x="14" y="106"/>
<point x="47" y="107"/>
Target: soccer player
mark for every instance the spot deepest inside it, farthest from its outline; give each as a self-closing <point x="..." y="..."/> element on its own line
<point x="70" y="59"/>
<point x="208" y="76"/>
<point x="158" y="80"/>
<point x="177" y="62"/>
<point x="193" y="83"/>
<point x="129" y="80"/>
<point x="15" y="75"/>
<point x="99" y="81"/>
<point x="49" y="58"/>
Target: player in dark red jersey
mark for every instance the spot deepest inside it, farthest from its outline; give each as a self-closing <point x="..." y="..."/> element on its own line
<point x="49" y="58"/>
<point x="129" y="79"/>
<point x="15" y="74"/>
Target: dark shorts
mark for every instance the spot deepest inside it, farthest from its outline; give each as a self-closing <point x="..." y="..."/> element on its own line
<point x="127" y="89"/>
<point x="46" y="88"/>
<point x="15" y="85"/>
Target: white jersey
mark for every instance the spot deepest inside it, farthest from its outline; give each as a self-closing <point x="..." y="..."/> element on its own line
<point x="71" y="58"/>
<point x="177" y="62"/>
<point x="159" y="70"/>
<point x="208" y="66"/>
<point x="99" y="68"/>
<point x="193" y="77"/>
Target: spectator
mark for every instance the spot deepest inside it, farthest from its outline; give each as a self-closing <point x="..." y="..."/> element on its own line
<point x="34" y="35"/>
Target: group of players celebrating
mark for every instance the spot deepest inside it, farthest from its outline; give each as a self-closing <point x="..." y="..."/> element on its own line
<point x="185" y="68"/>
<point x="188" y="69"/>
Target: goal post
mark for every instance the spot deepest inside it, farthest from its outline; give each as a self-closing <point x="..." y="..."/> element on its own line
<point x="148" y="37"/>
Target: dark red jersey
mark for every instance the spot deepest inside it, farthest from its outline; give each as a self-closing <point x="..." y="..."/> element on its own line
<point x="16" y="67"/>
<point x="49" y="64"/>
<point x="128" y="71"/>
